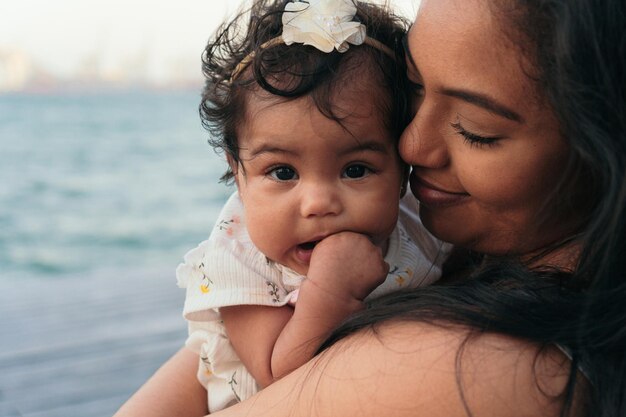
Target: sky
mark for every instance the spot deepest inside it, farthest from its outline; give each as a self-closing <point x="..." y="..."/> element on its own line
<point x="62" y="36"/>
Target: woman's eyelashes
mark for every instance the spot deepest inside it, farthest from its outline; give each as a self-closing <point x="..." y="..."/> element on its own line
<point x="473" y="139"/>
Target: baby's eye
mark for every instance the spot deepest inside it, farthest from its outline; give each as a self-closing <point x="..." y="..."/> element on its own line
<point x="356" y="171"/>
<point x="283" y="173"/>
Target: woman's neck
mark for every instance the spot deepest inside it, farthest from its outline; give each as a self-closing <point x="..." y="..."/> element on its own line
<point x="462" y="262"/>
<point x="563" y="257"/>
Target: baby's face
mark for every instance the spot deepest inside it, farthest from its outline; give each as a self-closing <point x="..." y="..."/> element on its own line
<point x="304" y="177"/>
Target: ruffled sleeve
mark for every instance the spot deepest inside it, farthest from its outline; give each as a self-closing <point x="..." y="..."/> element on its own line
<point x="191" y="270"/>
<point x="227" y="269"/>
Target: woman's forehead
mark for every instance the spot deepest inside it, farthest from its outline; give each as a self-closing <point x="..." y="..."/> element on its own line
<point x="357" y="87"/>
<point x="459" y="46"/>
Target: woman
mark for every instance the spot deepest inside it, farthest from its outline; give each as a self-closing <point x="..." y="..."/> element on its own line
<point x="518" y="155"/>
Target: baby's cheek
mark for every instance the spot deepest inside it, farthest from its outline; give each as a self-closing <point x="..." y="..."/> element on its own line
<point x="379" y="228"/>
<point x="261" y="233"/>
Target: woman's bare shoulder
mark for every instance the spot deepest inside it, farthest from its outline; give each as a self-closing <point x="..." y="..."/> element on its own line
<point x="417" y="369"/>
<point x="490" y="374"/>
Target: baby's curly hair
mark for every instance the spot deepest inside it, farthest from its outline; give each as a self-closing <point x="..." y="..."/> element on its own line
<point x="296" y="70"/>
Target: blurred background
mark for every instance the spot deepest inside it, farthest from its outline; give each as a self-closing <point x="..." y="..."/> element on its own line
<point x="106" y="180"/>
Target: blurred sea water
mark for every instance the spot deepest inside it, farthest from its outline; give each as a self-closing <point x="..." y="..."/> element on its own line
<point x="103" y="183"/>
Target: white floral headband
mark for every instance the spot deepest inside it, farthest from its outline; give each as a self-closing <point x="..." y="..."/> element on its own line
<point x="324" y="24"/>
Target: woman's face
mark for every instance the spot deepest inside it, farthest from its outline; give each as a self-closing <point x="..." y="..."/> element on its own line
<point x="485" y="147"/>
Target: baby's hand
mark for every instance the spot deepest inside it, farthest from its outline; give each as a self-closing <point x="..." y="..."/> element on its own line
<point x="347" y="264"/>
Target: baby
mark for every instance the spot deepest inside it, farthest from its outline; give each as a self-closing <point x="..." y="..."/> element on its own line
<point x="308" y="106"/>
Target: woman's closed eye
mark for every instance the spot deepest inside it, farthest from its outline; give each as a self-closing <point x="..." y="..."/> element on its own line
<point x="356" y="171"/>
<point x="282" y="173"/>
<point x="474" y="139"/>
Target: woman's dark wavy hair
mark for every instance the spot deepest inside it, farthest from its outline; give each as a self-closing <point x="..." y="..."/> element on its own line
<point x="295" y="71"/>
<point x="578" y="51"/>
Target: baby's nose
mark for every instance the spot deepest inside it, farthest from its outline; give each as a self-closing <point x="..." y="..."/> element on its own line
<point x="320" y="200"/>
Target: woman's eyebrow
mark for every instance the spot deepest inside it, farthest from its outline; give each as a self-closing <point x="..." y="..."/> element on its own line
<point x="485" y="102"/>
<point x="477" y="99"/>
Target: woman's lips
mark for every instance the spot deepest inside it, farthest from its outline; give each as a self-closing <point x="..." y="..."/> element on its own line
<point x="432" y="196"/>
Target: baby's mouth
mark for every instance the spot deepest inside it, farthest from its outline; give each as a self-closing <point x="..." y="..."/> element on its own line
<point x="304" y="251"/>
<point x="308" y="245"/>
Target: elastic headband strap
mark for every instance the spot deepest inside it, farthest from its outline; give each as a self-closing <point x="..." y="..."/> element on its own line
<point x="279" y="41"/>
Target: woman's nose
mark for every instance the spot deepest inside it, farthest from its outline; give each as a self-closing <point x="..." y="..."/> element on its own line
<point x="320" y="199"/>
<point x="421" y="144"/>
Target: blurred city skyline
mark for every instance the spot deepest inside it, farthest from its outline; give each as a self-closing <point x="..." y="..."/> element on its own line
<point x="97" y="44"/>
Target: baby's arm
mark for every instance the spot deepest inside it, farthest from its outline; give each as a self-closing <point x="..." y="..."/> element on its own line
<point x="173" y="391"/>
<point x="272" y="341"/>
<point x="253" y="331"/>
<point x="345" y="268"/>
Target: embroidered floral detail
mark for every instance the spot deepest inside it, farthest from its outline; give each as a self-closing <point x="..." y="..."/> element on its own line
<point x="232" y="384"/>
<point x="400" y="276"/>
<point x="205" y="284"/>
<point x="273" y="291"/>
<point x="405" y="237"/>
<point x="228" y="225"/>
<point x="204" y="357"/>
<point x="191" y="271"/>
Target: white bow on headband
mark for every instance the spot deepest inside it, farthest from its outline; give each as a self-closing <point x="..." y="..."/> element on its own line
<point x="323" y="24"/>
